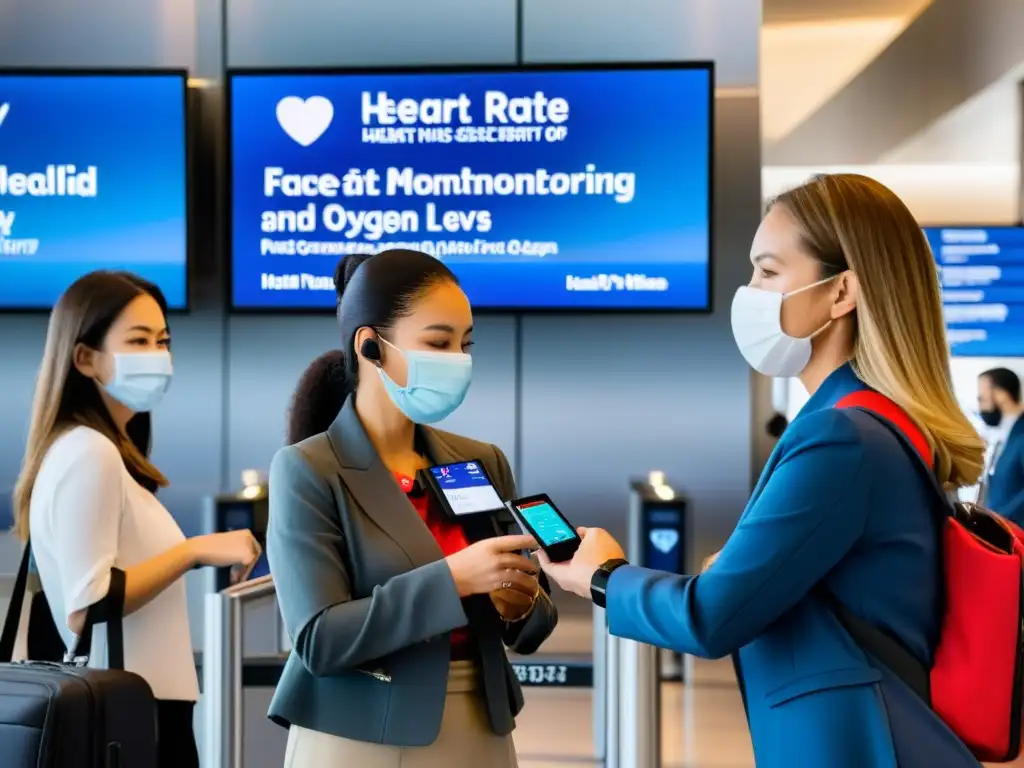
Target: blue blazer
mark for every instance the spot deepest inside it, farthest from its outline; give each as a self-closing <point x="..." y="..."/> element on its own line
<point x="1005" y="486"/>
<point x="839" y="503"/>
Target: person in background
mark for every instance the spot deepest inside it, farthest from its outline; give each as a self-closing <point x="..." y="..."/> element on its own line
<point x="1002" y="485"/>
<point x="85" y="502"/>
<point x="399" y="617"/>
<point x="845" y="296"/>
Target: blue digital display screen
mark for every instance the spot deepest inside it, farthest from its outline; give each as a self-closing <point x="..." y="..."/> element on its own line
<point x="92" y="176"/>
<point x="240" y="516"/>
<point x="547" y="524"/>
<point x="262" y="567"/>
<point x="981" y="272"/>
<point x="467" y="488"/>
<point x="583" y="189"/>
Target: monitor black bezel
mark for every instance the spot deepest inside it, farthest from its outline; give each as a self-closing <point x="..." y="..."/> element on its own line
<point x="187" y="116"/>
<point x="705" y="65"/>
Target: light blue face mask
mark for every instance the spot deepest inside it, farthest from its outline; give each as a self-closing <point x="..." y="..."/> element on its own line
<point x="437" y="384"/>
<point x="140" y="379"/>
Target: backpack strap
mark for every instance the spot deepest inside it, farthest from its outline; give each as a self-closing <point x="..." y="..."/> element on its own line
<point x="884" y="647"/>
<point x="882" y="410"/>
<point x="896" y="418"/>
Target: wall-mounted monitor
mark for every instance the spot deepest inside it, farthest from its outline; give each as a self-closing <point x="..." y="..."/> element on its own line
<point x="544" y="188"/>
<point x="981" y="272"/>
<point x="92" y="176"/>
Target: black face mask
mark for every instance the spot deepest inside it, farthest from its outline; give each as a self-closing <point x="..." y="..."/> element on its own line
<point x="992" y="417"/>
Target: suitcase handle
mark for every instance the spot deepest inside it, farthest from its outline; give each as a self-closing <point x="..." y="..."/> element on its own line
<point x="109" y="611"/>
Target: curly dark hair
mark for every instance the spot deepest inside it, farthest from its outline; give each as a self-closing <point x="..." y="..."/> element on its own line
<point x="318" y="396"/>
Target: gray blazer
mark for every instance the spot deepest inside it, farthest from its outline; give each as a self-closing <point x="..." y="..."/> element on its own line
<point x="369" y="602"/>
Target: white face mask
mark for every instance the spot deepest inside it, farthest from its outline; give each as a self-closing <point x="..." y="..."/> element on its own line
<point x="757" y="328"/>
<point x="140" y="379"/>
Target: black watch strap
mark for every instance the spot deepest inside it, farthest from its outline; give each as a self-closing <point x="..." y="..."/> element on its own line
<point x="599" y="581"/>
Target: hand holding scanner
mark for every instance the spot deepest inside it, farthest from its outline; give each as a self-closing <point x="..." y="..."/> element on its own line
<point x="539" y="517"/>
<point x="493" y="564"/>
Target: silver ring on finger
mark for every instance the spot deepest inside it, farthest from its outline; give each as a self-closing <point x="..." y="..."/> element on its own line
<point x="506" y="585"/>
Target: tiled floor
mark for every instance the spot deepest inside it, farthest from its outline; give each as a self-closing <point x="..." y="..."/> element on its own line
<point x="702" y="725"/>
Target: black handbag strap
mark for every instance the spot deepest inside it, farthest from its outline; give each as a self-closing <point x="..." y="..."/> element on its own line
<point x="109" y="611"/>
<point x="10" y="631"/>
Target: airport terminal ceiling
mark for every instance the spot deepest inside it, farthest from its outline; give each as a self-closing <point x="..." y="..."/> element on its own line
<point x="797" y="11"/>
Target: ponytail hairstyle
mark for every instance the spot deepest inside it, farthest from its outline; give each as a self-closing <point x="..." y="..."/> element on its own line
<point x="321" y="390"/>
<point x="372" y="291"/>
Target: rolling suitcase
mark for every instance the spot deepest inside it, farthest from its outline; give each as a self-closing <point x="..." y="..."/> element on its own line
<point x="65" y="715"/>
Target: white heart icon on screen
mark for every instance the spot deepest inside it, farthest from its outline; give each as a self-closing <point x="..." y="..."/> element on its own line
<point x="305" y="120"/>
<point x="664" y="539"/>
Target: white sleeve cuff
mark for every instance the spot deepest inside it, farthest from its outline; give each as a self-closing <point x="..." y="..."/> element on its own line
<point x="91" y="588"/>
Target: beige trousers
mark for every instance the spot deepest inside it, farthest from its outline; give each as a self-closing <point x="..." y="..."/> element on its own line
<point x="465" y="741"/>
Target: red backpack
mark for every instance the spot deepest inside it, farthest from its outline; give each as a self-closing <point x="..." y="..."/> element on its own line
<point x="975" y="682"/>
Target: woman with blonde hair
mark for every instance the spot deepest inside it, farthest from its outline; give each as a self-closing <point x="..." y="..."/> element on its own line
<point x="85" y="496"/>
<point x="844" y="296"/>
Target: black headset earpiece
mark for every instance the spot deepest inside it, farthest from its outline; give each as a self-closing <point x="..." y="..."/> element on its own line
<point x="370" y="350"/>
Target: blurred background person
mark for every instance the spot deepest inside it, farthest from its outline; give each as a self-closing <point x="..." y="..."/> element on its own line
<point x="1002" y="484"/>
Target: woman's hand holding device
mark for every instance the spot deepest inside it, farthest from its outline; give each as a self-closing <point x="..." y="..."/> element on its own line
<point x="596" y="548"/>
<point x="538" y="516"/>
<point x="233" y="549"/>
<point x="494" y="564"/>
<point x="513" y="604"/>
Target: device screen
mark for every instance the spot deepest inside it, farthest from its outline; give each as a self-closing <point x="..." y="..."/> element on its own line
<point x="547" y="522"/>
<point x="262" y="567"/>
<point x="467" y="488"/>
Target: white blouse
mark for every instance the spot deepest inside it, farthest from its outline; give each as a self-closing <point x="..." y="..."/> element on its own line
<point x="88" y="514"/>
